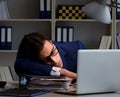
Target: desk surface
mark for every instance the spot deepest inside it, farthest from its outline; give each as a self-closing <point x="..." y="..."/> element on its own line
<point x="51" y="94"/>
<point x="66" y="95"/>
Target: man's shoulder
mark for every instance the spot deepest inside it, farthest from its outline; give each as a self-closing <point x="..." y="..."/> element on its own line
<point x="76" y="43"/>
<point x="66" y="43"/>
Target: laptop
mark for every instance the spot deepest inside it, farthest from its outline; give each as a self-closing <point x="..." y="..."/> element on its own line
<point x="97" y="72"/>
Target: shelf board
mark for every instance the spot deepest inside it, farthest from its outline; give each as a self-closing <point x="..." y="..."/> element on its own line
<point x="79" y="20"/>
<point x="8" y="51"/>
<point x="27" y="20"/>
<point x="117" y="20"/>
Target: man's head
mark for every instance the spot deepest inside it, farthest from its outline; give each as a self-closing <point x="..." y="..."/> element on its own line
<point x="36" y="47"/>
<point x="30" y="45"/>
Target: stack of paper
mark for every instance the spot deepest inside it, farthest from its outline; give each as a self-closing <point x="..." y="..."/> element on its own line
<point x="105" y="42"/>
<point x="49" y="82"/>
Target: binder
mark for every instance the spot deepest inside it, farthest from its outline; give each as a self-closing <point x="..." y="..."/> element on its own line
<point x="42" y="9"/>
<point x="70" y="34"/>
<point x="48" y="9"/>
<point x="5" y="37"/>
<point x="8" y="38"/>
<point x="118" y="10"/>
<point x="45" y="9"/>
<point x="42" y="5"/>
<point x="65" y="34"/>
<point x="58" y="36"/>
<point x="2" y="37"/>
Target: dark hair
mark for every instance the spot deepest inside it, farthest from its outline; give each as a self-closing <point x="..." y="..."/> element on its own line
<point x="31" y="45"/>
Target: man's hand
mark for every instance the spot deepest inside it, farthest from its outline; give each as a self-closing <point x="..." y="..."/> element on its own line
<point x="68" y="73"/>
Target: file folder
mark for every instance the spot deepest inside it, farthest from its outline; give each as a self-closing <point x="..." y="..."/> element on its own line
<point x="22" y="92"/>
<point x="42" y="9"/>
<point x="8" y="38"/>
<point x="58" y="35"/>
<point x="48" y="9"/>
<point x="5" y="37"/>
<point x="118" y="10"/>
<point x="45" y="9"/>
<point x="2" y="37"/>
<point x="70" y="34"/>
<point x="65" y="34"/>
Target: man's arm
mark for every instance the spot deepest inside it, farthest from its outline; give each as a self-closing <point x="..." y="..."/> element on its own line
<point x="68" y="73"/>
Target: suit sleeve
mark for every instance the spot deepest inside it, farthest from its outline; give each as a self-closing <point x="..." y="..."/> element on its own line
<point x="29" y="67"/>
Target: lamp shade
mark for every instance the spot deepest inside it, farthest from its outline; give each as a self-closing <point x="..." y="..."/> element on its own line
<point x="98" y="12"/>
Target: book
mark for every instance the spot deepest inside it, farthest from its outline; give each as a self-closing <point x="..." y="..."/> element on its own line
<point x="103" y="42"/>
<point x="109" y="40"/>
<point x="2" y="75"/>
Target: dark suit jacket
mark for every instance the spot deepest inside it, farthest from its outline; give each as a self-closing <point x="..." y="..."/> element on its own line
<point x="68" y="53"/>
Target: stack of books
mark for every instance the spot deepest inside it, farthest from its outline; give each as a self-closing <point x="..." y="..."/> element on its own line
<point x="49" y="82"/>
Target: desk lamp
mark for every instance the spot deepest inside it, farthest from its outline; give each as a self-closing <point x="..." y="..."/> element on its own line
<point x="99" y="10"/>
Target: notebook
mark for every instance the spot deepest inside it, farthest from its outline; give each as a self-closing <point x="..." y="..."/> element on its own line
<point x="97" y="72"/>
<point x="20" y="92"/>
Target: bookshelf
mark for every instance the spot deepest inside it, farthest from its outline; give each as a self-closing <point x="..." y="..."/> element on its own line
<point x="24" y="18"/>
<point x="89" y="31"/>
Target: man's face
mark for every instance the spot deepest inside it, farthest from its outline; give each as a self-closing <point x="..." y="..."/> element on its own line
<point x="50" y="55"/>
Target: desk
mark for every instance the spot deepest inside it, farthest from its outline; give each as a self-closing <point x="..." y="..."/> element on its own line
<point x="64" y="95"/>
